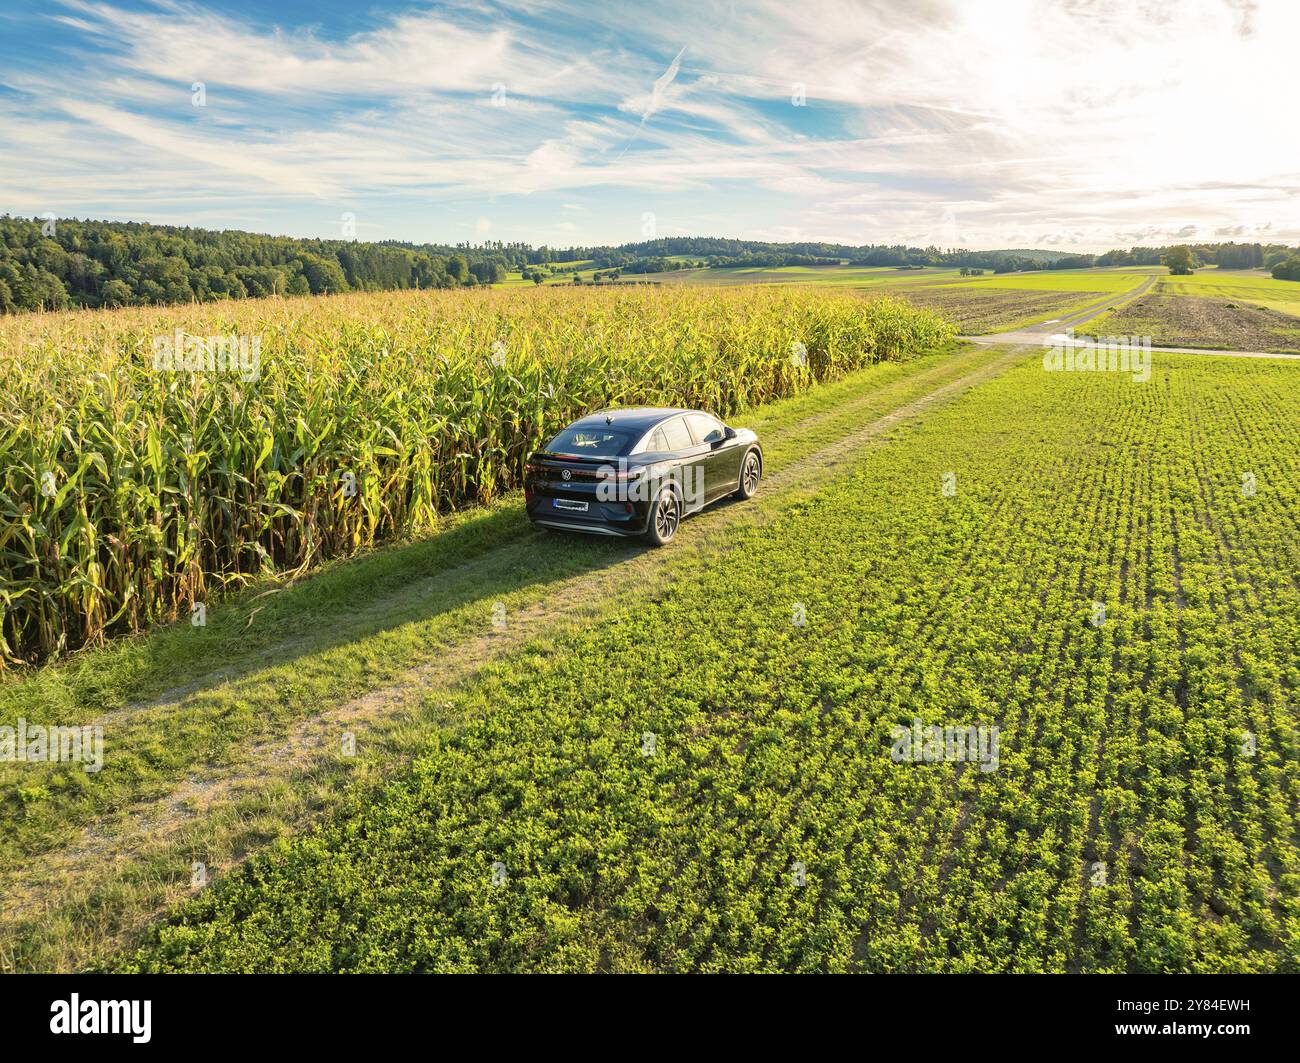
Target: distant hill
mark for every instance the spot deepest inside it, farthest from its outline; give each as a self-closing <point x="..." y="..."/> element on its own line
<point x="1032" y="254"/>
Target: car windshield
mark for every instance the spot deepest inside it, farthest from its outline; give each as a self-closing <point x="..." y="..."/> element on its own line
<point x="594" y="442"/>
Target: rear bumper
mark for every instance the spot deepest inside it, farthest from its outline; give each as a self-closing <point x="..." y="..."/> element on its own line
<point x="603" y="519"/>
<point x="587" y="529"/>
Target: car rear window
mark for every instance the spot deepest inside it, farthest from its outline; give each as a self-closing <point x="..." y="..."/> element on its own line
<point x="593" y="442"/>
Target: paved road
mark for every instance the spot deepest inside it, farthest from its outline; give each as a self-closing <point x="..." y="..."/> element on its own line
<point x="1052" y="331"/>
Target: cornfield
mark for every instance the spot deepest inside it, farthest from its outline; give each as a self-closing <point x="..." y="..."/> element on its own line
<point x="131" y="490"/>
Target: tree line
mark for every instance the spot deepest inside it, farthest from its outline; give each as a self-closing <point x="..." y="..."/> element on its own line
<point x="54" y="264"/>
<point x="720" y="253"/>
<point x="1282" y="262"/>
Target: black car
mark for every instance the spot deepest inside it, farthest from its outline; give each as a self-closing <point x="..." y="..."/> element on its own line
<point x="639" y="472"/>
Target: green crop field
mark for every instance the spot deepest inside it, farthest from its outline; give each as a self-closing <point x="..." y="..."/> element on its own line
<point x="1102" y="570"/>
<point x="1213" y="279"/>
<point x="1252" y="287"/>
<point x="1062" y="280"/>
<point x="834" y="276"/>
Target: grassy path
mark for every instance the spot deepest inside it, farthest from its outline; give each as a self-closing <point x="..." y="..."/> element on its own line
<point x="222" y="739"/>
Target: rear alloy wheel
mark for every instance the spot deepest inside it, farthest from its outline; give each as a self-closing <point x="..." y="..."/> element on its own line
<point x="751" y="469"/>
<point x="666" y="517"/>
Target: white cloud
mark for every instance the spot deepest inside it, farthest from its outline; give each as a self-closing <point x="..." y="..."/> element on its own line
<point x="982" y="122"/>
<point x="413" y="51"/>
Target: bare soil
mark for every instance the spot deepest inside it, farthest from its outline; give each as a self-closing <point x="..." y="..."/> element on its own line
<point x="1193" y="321"/>
<point x="978" y="311"/>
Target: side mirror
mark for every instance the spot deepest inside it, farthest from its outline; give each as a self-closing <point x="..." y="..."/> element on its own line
<point x="728" y="432"/>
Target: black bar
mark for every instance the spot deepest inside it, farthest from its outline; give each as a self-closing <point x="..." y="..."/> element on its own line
<point x="212" y="1013"/>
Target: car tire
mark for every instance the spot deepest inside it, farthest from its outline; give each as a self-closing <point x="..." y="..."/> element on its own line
<point x="665" y="518"/>
<point x="751" y="471"/>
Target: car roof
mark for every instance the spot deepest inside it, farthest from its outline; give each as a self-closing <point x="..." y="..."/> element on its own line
<point x="637" y="419"/>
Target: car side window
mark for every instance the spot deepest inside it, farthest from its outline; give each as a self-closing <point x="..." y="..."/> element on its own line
<point x="705" y="429"/>
<point x="675" y="435"/>
<point x="656" y="443"/>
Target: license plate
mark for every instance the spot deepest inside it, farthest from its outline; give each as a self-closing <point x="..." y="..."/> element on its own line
<point x="570" y="505"/>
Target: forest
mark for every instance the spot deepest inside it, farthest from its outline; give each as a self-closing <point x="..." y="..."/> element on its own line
<point x="53" y="264"/>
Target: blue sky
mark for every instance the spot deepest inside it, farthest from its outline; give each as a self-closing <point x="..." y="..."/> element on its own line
<point x="1082" y="124"/>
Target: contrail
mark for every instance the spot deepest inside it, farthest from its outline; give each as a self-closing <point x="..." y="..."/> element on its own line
<point x="661" y="85"/>
<point x="656" y="96"/>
